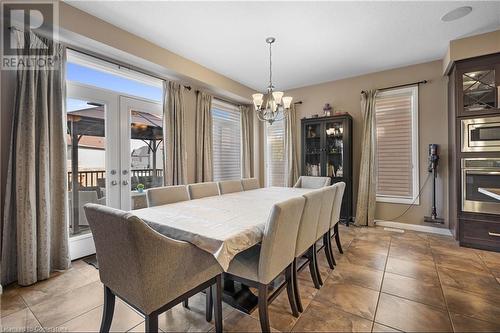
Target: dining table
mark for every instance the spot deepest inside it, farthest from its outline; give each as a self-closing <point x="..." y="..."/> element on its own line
<point x="222" y="225"/>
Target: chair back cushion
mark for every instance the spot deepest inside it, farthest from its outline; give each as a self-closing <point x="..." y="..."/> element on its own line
<point x="312" y="182"/>
<point x="337" y="203"/>
<point x="279" y="238"/>
<point x="166" y="195"/>
<point x="309" y="222"/>
<point x="142" y="266"/>
<point x="201" y="190"/>
<point x="250" y="184"/>
<point x="325" y="214"/>
<point x="230" y="186"/>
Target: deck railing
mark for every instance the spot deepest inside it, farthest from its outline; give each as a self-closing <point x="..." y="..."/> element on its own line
<point x="96" y="178"/>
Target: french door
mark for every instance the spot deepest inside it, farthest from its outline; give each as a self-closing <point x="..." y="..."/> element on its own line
<point x="115" y="150"/>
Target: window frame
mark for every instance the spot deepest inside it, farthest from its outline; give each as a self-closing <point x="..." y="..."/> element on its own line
<point x="227" y="107"/>
<point x="415" y="198"/>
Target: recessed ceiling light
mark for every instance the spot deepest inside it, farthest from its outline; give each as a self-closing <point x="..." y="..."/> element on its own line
<point x="456" y="13"/>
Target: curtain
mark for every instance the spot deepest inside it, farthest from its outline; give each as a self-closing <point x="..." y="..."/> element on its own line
<point x="204" y="148"/>
<point x="34" y="229"/>
<point x="291" y="160"/>
<point x="246" y="141"/>
<point x="365" y="210"/>
<point x="174" y="162"/>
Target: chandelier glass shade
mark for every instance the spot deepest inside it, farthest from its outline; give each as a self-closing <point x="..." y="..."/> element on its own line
<point x="271" y="106"/>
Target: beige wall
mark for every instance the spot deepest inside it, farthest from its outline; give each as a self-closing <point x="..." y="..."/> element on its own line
<point x="344" y="95"/>
<point x="470" y="47"/>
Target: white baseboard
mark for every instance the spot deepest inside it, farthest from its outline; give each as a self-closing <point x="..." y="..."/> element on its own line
<point x="414" y="227"/>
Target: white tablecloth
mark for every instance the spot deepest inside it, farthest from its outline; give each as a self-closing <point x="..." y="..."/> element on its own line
<point x="221" y="225"/>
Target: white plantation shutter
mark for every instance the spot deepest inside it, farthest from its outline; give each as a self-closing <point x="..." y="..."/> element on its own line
<point x="275" y="154"/>
<point x="396" y="120"/>
<point x="226" y="136"/>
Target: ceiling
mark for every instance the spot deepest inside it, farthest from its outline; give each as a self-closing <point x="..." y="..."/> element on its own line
<point x="316" y="41"/>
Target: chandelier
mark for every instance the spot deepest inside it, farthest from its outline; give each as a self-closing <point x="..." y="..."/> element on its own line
<point x="271" y="106"/>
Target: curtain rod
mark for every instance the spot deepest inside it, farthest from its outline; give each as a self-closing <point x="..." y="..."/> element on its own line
<point x="400" y="86"/>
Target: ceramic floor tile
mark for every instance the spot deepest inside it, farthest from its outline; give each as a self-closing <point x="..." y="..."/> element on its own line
<point x="349" y="298"/>
<point x="321" y="318"/>
<point x="240" y="322"/>
<point x="492" y="261"/>
<point x="124" y="319"/>
<point x="461" y="263"/>
<point x="60" y="309"/>
<point x="280" y="313"/>
<point x="484" y="285"/>
<point x="20" y="321"/>
<point x="379" y="328"/>
<point x="471" y="305"/>
<point x="419" y="270"/>
<point x="407" y="253"/>
<point x="363" y="258"/>
<point x="11" y="301"/>
<point x="413" y="289"/>
<point x="466" y="324"/>
<point x="409" y="316"/>
<point x="358" y="275"/>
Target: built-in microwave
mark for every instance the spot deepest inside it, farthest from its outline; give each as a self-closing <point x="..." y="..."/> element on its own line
<point x="481" y="134"/>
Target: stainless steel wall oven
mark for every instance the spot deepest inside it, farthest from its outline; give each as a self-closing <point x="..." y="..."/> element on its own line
<point x="478" y="175"/>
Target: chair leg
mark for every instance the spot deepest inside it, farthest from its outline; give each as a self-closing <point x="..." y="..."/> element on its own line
<point x="327" y="246"/>
<point x="208" y="304"/>
<point x="313" y="269"/>
<point x="217" y="301"/>
<point x="290" y="290"/>
<point x="151" y="323"/>
<point x="108" y="310"/>
<point x="263" y="309"/>
<point x="337" y="237"/>
<point x="185" y="303"/>
<point x="296" y="290"/>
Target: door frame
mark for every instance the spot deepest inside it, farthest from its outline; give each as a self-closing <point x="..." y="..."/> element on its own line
<point x="117" y="108"/>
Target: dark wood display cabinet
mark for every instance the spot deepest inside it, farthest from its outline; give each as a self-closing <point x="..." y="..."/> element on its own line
<point x="474" y="156"/>
<point x="327" y="152"/>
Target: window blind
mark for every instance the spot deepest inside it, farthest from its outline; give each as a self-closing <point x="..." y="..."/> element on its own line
<point x="275" y="154"/>
<point x="396" y="153"/>
<point x="226" y="138"/>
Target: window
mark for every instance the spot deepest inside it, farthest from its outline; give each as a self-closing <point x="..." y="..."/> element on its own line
<point x="275" y="153"/>
<point x="226" y="138"/>
<point x="396" y="119"/>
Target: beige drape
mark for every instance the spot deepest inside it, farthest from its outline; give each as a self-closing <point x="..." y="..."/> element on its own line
<point x="203" y="134"/>
<point x="34" y="229"/>
<point x="246" y="141"/>
<point x="365" y="210"/>
<point x="291" y="159"/>
<point x="174" y="163"/>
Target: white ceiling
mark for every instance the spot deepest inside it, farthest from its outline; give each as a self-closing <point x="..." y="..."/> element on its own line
<point x="316" y="41"/>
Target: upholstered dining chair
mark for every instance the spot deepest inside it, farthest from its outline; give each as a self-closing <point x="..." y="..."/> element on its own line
<point x="165" y="195"/>
<point x="230" y="186"/>
<point x="325" y="216"/>
<point x="258" y="266"/>
<point x="334" y="223"/>
<point x="306" y="237"/>
<point x="202" y="190"/>
<point x="150" y="272"/>
<point x="250" y="184"/>
<point x="312" y="182"/>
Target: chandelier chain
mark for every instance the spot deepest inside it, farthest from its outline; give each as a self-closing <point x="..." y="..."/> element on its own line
<point x="270" y="67"/>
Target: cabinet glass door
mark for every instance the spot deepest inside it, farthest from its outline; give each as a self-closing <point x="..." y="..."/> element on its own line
<point x="334" y="147"/>
<point x="313" y="150"/>
<point x="479" y="90"/>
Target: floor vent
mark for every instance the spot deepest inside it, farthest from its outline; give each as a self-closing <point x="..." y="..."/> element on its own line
<point x="394" y="230"/>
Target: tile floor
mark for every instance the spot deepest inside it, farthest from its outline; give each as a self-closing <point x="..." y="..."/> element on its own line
<point x="384" y="282"/>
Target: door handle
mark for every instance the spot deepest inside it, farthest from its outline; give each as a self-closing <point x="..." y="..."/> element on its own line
<point x="125" y="182"/>
<point x="495" y="234"/>
<point x="114" y="182"/>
